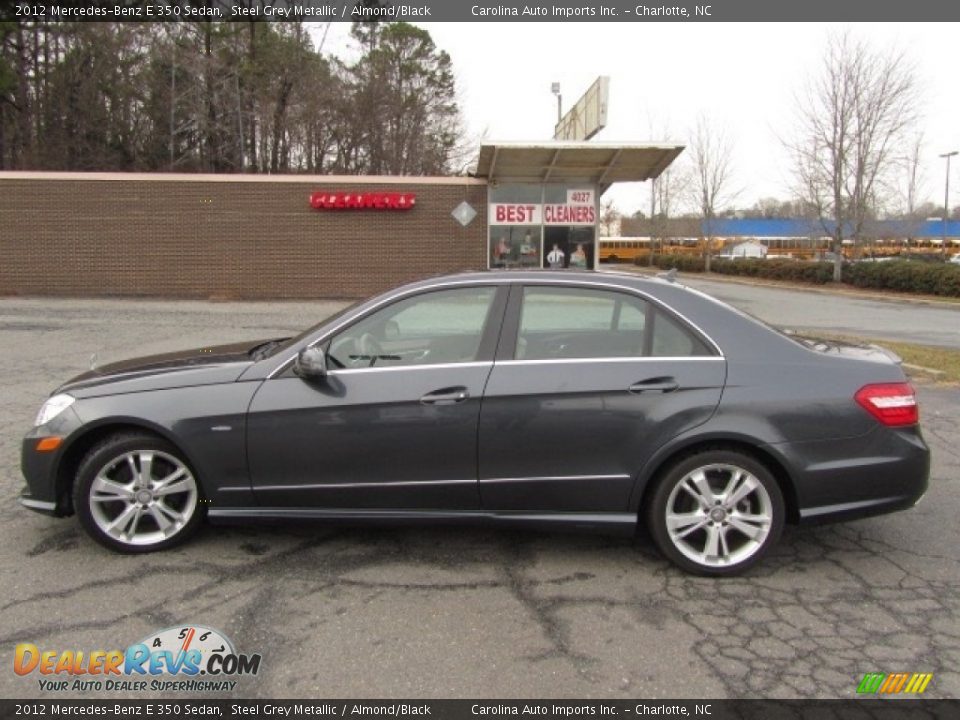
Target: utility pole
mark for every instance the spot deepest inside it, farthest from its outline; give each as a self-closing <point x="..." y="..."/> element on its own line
<point x="173" y="100"/>
<point x="653" y="207"/>
<point x="946" y="203"/>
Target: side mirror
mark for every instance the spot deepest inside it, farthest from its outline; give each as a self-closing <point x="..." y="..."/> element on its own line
<point x="311" y="362"/>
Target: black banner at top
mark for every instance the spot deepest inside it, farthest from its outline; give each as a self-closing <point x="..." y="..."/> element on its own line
<point x="480" y="11"/>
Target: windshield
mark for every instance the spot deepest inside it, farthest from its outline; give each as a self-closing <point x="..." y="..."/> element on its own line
<point x="290" y="342"/>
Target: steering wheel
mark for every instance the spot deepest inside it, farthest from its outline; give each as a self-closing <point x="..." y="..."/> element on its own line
<point x="370" y="348"/>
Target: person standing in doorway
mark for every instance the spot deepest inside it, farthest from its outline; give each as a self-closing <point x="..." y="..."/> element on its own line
<point x="502" y="251"/>
<point x="578" y="258"/>
<point x="555" y="257"/>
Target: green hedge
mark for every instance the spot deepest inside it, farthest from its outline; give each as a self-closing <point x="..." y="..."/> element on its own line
<point x="900" y="275"/>
<point x="811" y="272"/>
<point x="918" y="277"/>
<point x="683" y="263"/>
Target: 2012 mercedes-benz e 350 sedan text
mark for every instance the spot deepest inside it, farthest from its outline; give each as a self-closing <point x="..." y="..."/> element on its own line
<point x="549" y="399"/>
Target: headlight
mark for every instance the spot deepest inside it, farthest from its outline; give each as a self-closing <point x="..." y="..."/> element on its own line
<point x="53" y="407"/>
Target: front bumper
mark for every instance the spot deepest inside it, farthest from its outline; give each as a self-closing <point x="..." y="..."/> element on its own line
<point x="40" y="469"/>
<point x="44" y="507"/>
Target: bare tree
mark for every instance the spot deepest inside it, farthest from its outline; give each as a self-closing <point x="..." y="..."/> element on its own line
<point x="669" y="191"/>
<point x="913" y="187"/>
<point x="711" y="152"/>
<point x="609" y="219"/>
<point x="853" y="118"/>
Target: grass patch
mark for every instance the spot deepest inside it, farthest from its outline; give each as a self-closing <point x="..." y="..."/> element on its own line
<point x="943" y="361"/>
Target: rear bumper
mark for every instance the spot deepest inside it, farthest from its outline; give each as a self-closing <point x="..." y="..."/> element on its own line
<point x="854" y="510"/>
<point x="884" y="471"/>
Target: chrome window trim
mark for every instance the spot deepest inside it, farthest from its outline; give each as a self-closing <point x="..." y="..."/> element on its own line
<point x="480" y="282"/>
<point x="425" y="366"/>
<point x="647" y="358"/>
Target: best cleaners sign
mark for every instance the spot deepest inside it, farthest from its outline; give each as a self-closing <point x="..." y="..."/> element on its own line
<point x="578" y="210"/>
<point x="545" y="214"/>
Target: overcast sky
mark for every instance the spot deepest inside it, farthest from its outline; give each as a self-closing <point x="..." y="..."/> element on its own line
<point x="745" y="76"/>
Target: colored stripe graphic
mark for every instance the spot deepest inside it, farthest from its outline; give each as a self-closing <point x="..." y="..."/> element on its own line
<point x="871" y="682"/>
<point x="894" y="683"/>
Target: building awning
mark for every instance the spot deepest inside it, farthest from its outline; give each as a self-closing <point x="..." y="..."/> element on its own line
<point x="574" y="162"/>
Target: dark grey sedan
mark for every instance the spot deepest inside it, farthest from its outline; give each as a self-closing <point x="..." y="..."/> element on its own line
<point x="547" y="399"/>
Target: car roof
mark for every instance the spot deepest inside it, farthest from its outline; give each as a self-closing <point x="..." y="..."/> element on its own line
<point x="547" y="275"/>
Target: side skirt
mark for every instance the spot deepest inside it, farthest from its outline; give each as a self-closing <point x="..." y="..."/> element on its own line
<point x="613" y="523"/>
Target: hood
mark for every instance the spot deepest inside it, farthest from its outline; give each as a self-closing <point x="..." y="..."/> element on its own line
<point x="198" y="366"/>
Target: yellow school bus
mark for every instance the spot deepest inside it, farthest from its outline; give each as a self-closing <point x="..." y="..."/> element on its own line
<point x="623" y="249"/>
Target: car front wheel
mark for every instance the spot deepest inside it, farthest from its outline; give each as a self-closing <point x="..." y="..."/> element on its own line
<point x="716" y="512"/>
<point x="135" y="493"/>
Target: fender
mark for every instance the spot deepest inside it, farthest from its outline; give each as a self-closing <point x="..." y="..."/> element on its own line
<point x="704" y="435"/>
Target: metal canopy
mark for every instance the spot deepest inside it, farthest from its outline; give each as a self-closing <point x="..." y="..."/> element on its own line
<point x="572" y="162"/>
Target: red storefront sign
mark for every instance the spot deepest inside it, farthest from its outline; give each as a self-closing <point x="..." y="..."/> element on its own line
<point x="569" y="215"/>
<point x="362" y="201"/>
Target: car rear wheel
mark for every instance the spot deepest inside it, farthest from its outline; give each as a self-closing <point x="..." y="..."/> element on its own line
<point x="135" y="493"/>
<point x="716" y="512"/>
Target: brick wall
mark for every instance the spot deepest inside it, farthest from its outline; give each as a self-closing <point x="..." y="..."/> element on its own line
<point x="226" y="237"/>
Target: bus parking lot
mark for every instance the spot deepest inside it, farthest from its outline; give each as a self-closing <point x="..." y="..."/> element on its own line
<point x="427" y="612"/>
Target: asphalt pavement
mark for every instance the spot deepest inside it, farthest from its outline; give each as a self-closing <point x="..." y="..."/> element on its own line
<point x="464" y="612"/>
<point x="889" y="316"/>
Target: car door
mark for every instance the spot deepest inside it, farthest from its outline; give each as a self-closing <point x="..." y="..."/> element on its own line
<point x="587" y="384"/>
<point x="393" y="424"/>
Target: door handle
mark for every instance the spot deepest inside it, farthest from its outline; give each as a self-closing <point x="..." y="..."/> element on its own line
<point x="657" y="384"/>
<point x="445" y="396"/>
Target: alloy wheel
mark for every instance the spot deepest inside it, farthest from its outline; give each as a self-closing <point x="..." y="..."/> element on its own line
<point x="143" y="497"/>
<point x="718" y="515"/>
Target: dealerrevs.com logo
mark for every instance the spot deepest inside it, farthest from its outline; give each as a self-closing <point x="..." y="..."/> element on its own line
<point x="190" y="658"/>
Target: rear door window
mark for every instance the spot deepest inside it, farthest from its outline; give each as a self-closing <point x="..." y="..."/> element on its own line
<point x="576" y="322"/>
<point x="561" y="322"/>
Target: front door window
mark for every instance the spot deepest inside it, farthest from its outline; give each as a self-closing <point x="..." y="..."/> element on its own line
<point x="445" y="326"/>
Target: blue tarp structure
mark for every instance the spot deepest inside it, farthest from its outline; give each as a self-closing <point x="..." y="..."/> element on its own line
<point x="800" y="228"/>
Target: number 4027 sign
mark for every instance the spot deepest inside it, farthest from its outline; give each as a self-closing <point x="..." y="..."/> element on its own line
<point x="579" y="197"/>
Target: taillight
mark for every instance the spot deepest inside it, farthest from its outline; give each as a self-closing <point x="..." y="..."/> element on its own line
<point x="893" y="404"/>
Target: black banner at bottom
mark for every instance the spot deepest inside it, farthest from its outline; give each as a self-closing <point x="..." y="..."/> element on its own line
<point x="892" y="709"/>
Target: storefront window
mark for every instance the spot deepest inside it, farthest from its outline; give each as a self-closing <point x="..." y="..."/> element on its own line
<point x="542" y="226"/>
<point x="513" y="246"/>
<point x="569" y="216"/>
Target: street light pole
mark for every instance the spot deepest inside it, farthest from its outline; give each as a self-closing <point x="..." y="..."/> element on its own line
<point x="946" y="203"/>
<point x="555" y="89"/>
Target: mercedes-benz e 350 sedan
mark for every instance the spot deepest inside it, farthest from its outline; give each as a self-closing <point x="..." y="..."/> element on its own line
<point x="549" y="399"/>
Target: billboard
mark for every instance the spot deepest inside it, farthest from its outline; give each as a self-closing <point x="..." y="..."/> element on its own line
<point x="588" y="116"/>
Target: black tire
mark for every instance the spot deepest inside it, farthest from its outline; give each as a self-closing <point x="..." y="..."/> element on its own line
<point x="711" y="536"/>
<point x="121" y="459"/>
